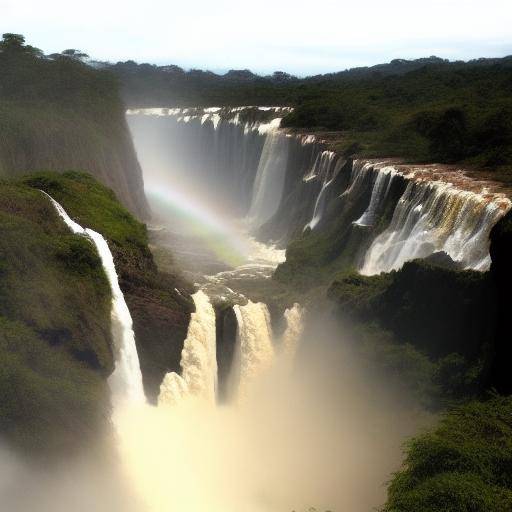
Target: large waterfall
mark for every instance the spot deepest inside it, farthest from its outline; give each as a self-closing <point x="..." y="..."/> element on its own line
<point x="284" y="183"/>
<point x="270" y="176"/>
<point x="254" y="342"/>
<point x="198" y="359"/>
<point x="126" y="379"/>
<point x="214" y="154"/>
<point x="294" y="328"/>
<point x="432" y="218"/>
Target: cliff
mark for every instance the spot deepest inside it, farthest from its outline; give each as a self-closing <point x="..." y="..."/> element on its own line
<point x="55" y="302"/>
<point x="55" y="342"/>
<point x="61" y="114"/>
<point x="158" y="301"/>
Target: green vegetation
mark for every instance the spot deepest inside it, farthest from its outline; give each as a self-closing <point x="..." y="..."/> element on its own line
<point x="49" y="401"/>
<point x="464" y="464"/>
<point x="434" y="316"/>
<point x="94" y="206"/>
<point x="54" y="327"/>
<point x="160" y="314"/>
<point x="55" y="310"/>
<point x="423" y="111"/>
<point x="60" y="114"/>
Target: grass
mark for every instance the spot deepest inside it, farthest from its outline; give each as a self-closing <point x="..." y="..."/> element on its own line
<point x="55" y="340"/>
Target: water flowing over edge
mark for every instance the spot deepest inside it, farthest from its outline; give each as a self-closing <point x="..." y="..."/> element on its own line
<point x="126" y="380"/>
<point x="198" y="377"/>
<point x="439" y="210"/>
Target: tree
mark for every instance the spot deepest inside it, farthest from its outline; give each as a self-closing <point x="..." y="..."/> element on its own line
<point x="15" y="43"/>
<point x="74" y="54"/>
<point x="12" y="42"/>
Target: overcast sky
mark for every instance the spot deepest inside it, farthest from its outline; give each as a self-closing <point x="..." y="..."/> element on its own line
<point x="265" y="35"/>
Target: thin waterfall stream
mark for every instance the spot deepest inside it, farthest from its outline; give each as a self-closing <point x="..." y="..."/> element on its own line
<point x="126" y="380"/>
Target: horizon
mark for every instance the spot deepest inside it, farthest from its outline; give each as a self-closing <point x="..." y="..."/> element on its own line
<point x="287" y="36"/>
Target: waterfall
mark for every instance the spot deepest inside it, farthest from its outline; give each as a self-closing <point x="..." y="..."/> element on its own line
<point x="213" y="152"/>
<point x="382" y="184"/>
<point x="254" y="342"/>
<point x="198" y="359"/>
<point x="270" y="177"/>
<point x="294" y="329"/>
<point x="326" y="159"/>
<point x="126" y="380"/>
<point x="436" y="216"/>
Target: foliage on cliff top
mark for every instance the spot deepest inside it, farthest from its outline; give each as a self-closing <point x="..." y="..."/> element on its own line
<point x="92" y="205"/>
<point x="58" y="114"/>
<point x="423" y="110"/>
<point x="464" y="464"/>
<point x="445" y="314"/>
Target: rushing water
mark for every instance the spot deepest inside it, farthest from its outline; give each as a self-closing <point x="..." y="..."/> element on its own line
<point x="270" y="446"/>
<point x="198" y="359"/>
<point x="305" y="424"/>
<point x="126" y="379"/>
<point x="284" y="183"/>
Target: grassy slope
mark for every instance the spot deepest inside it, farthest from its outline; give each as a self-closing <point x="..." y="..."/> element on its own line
<point x="160" y="314"/>
<point x="54" y="327"/>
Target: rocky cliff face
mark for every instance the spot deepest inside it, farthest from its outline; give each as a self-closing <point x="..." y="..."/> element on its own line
<point x="501" y="273"/>
<point x="61" y="114"/>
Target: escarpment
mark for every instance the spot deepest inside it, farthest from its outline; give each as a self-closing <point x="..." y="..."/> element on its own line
<point x="61" y="114"/>
<point x="158" y="301"/>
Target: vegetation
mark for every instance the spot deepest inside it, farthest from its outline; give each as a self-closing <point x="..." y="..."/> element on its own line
<point x="423" y="110"/>
<point x="55" y="310"/>
<point x="159" y="312"/>
<point x="464" y="464"/>
<point x="61" y="114"/>
<point x="54" y="327"/>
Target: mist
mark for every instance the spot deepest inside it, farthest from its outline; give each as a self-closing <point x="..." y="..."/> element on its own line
<point x="321" y="432"/>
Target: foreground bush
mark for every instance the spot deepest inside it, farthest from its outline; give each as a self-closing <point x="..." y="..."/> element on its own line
<point x="464" y="465"/>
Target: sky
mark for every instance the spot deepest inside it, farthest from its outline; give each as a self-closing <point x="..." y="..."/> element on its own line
<point x="296" y="36"/>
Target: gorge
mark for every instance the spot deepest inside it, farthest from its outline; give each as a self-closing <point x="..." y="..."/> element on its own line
<point x="294" y="315"/>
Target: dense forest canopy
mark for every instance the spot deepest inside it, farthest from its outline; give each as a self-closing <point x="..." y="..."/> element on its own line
<point x="422" y="110"/>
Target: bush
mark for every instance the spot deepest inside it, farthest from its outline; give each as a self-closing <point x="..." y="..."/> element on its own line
<point x="465" y="464"/>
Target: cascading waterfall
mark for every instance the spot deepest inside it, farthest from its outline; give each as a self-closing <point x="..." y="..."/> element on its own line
<point x="327" y="174"/>
<point x="294" y="317"/>
<point x="359" y="172"/>
<point x="432" y="217"/>
<point x="288" y="181"/>
<point x="270" y="176"/>
<point x="126" y="380"/>
<point x="382" y="184"/>
<point x="204" y="150"/>
<point x="256" y="351"/>
<point x="198" y="359"/>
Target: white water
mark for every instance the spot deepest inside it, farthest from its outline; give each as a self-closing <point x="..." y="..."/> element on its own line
<point x="294" y="328"/>
<point x="126" y="380"/>
<point x="382" y="184"/>
<point x="254" y="338"/>
<point x="324" y="170"/>
<point x="270" y="176"/>
<point x="431" y="217"/>
<point x="198" y="359"/>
